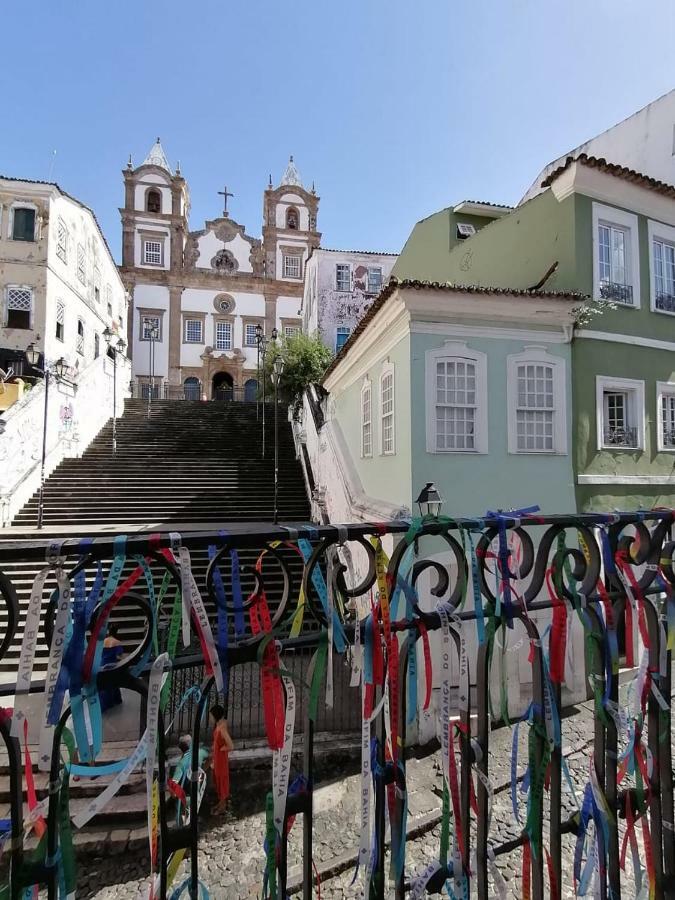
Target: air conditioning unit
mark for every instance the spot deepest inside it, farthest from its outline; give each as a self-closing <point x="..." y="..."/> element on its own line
<point x="464" y="230"/>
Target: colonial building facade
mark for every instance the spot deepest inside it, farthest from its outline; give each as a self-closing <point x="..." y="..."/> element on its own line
<point x="340" y="286"/>
<point x="59" y="284"/>
<point x="198" y="296"/>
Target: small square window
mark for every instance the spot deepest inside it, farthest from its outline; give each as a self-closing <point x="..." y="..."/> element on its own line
<point x="292" y="266"/>
<point x="291" y="331"/>
<point x="23" y="224"/>
<point x="193" y="331"/>
<point x="152" y="252"/>
<point x="151" y="328"/>
<point x="343" y="277"/>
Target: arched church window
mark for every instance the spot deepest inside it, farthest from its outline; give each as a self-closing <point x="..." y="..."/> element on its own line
<point x="154" y="202"/>
<point x="292" y="218"/>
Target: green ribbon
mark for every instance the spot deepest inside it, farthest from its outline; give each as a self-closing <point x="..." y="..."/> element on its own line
<point x="271" y="837"/>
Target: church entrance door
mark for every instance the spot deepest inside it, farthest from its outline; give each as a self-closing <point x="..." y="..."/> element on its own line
<point x="223" y="387"/>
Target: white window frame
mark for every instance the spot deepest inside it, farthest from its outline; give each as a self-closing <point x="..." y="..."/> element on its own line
<point x="366" y="388"/>
<point x="159" y="241"/>
<point x="291" y="331"/>
<point x="81" y="264"/>
<point x="60" y="320"/>
<point x="253" y="342"/>
<point x="347" y="266"/>
<point x="62" y="240"/>
<point x="143" y="335"/>
<point x="229" y="331"/>
<point x="665" y="234"/>
<point x="636" y="410"/>
<point x="377" y="290"/>
<point x="663" y="389"/>
<point x="23" y="204"/>
<point x="461" y="352"/>
<point x="538" y="356"/>
<point x="338" y="330"/>
<point x="628" y="222"/>
<point x="387" y="372"/>
<point x="31" y="312"/>
<point x="297" y="258"/>
<point x="187" y="340"/>
<point x="80" y="338"/>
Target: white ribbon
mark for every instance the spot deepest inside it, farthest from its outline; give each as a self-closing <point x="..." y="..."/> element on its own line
<point x="281" y="759"/>
<point x="159" y="666"/>
<point x="364" y="841"/>
<point x="54" y="666"/>
<point x="193" y="598"/>
<point x="419" y="882"/>
<point x="444" y="712"/>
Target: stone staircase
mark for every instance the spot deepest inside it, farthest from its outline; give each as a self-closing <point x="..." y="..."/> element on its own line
<point x="187" y="466"/>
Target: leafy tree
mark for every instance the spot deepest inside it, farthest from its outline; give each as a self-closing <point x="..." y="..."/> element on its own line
<point x="305" y="358"/>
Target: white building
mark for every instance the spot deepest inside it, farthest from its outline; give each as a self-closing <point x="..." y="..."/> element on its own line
<point x="645" y="142"/>
<point x="204" y="292"/>
<point x="340" y="285"/>
<point x="59" y="284"/>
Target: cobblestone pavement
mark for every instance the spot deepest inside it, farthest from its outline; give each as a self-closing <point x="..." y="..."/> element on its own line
<point x="231" y="856"/>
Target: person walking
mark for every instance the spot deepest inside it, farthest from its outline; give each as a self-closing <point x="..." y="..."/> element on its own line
<point x="220" y="756"/>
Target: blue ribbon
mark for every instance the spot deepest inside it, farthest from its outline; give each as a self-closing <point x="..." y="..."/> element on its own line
<point x="237" y="602"/>
<point x="221" y="607"/>
<point x="339" y="637"/>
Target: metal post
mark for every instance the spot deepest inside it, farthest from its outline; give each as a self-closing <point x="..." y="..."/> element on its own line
<point x="44" y="452"/>
<point x="257" y="393"/>
<point x="276" y="449"/>
<point x="114" y="433"/>
<point x="263" y="351"/>
<point x="152" y="369"/>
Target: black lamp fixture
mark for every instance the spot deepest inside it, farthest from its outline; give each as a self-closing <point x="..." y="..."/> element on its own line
<point x="278" y="369"/>
<point x="32" y="355"/>
<point x="429" y="500"/>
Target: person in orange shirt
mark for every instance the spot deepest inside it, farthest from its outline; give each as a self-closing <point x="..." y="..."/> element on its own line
<point x="220" y="756"/>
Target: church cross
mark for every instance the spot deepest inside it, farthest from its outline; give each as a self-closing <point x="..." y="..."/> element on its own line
<point x="225" y="194"/>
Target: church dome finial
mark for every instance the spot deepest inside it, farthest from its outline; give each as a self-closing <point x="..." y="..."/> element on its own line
<point x="291" y="176"/>
<point x="157" y="157"/>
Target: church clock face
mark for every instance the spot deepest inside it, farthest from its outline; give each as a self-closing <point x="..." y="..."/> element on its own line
<point x="224" y="304"/>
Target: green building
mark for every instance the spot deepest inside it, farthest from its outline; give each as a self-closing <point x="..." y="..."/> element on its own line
<point x="607" y="232"/>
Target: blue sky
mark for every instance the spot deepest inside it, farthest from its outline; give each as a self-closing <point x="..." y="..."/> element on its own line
<point x="394" y="109"/>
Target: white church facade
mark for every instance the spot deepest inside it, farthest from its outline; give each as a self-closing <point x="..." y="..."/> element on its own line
<point x="198" y="296"/>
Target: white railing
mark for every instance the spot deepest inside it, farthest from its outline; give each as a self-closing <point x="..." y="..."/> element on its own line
<point x="75" y="416"/>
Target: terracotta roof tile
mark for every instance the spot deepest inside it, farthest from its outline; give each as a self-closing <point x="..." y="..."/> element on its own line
<point x="594" y="162"/>
<point x="448" y="286"/>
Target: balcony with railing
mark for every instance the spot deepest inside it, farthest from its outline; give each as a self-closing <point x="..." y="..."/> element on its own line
<point x="621" y="437"/>
<point x="619" y="293"/>
<point x="665" y="302"/>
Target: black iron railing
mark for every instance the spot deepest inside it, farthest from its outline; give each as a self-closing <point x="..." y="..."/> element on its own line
<point x="595" y="568"/>
<point x="621" y="437"/>
<point x="665" y="302"/>
<point x="141" y="390"/>
<point x="621" y="293"/>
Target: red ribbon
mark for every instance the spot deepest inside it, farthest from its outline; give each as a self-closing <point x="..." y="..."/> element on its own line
<point x="558" y="641"/>
<point x="527" y="858"/>
<point x="40" y="826"/>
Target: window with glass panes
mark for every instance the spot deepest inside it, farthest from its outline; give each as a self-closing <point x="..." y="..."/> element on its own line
<point x="81" y="264"/>
<point x="291" y="331"/>
<point x="151" y="324"/>
<point x="535" y="408"/>
<point x="23" y="224"/>
<point x="19" y="307"/>
<point x="62" y="241"/>
<point x="455" y="404"/>
<point x="152" y="253"/>
<point x="79" y="344"/>
<point x="97" y="284"/>
<point x="374" y="280"/>
<point x="250" y="335"/>
<point x="366" y="422"/>
<point x="193" y="331"/>
<point x="342" y="333"/>
<point x="664" y="275"/>
<point x="387" y="411"/>
<point x="668" y="420"/>
<point x="613" y="266"/>
<point x="60" y="320"/>
<point x="223" y="335"/>
<point x="343" y="280"/>
<point x="291" y="266"/>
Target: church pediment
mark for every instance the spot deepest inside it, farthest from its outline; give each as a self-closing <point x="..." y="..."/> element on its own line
<point x="224" y="247"/>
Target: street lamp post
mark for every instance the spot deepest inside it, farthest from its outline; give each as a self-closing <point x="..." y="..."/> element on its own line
<point x="263" y="344"/>
<point x="120" y="347"/>
<point x="277" y="370"/>
<point x="58" y="370"/>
